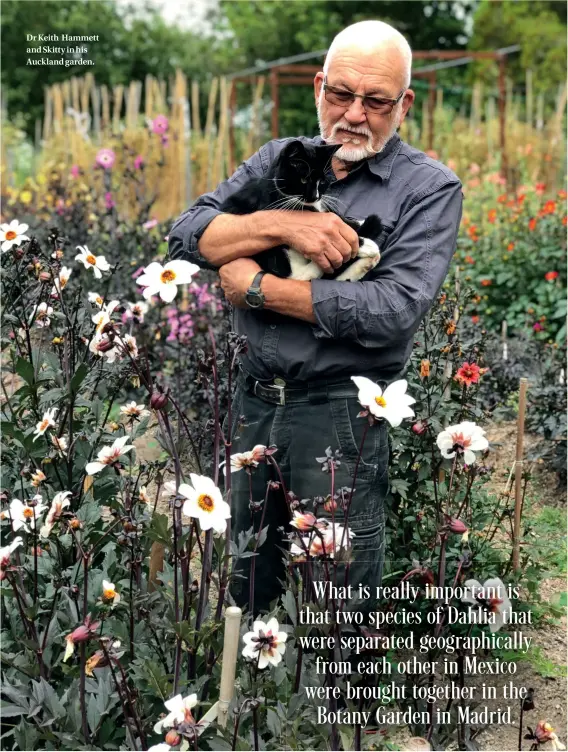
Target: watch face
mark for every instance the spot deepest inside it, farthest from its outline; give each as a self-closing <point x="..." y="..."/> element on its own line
<point x="254" y="300"/>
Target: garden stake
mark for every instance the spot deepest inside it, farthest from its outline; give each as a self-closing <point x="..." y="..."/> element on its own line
<point x="230" y="652"/>
<point x="519" y="471"/>
<point x="504" y="339"/>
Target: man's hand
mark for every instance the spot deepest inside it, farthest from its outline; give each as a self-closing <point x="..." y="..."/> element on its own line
<point x="321" y="237"/>
<point x="236" y="278"/>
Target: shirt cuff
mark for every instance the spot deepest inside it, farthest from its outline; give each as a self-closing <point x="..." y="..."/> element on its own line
<point x="183" y="242"/>
<point x="335" y="308"/>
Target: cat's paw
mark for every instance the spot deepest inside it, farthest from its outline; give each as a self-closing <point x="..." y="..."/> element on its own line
<point x="368" y="249"/>
<point x="359" y="268"/>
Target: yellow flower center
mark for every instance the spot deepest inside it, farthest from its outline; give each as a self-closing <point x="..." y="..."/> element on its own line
<point x="43" y="425"/>
<point x="11" y="235"/>
<point x="206" y="503"/>
<point x="108" y="595"/>
<point x="63" y="281"/>
<point x="28" y="512"/>
<point x="90" y="259"/>
<point x="381" y="401"/>
<point x="167" y="275"/>
<point x="99" y="300"/>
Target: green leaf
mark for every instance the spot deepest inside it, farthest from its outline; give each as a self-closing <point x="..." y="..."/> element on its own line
<point x="25" y="369"/>
<point x="78" y="377"/>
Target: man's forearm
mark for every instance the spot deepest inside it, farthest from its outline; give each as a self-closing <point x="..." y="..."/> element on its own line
<point x="291" y="297"/>
<point x="230" y="236"/>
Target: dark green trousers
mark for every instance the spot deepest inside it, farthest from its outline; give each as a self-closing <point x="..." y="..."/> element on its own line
<point x="302" y="429"/>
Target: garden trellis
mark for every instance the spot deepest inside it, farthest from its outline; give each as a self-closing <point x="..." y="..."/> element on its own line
<point x="213" y="125"/>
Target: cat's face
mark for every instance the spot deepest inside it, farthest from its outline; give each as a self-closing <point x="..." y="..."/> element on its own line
<point x="300" y="170"/>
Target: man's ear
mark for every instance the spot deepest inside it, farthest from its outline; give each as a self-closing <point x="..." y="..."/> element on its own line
<point x="318" y="82"/>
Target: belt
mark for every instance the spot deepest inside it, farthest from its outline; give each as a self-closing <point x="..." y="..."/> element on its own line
<point x="276" y="392"/>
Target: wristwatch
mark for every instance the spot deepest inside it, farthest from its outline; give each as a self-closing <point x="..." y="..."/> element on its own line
<point x="254" y="297"/>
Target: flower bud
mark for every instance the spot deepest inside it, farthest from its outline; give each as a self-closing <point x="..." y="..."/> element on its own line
<point x="45" y="276"/>
<point x="105" y="345"/>
<point x="158" y="400"/>
<point x="419" y="427"/>
<point x="330" y="505"/>
<point x="80" y="634"/>
<point x="172" y="738"/>
<point x="456" y="526"/>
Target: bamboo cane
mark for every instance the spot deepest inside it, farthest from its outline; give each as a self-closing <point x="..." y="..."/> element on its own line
<point x="519" y="472"/>
<point x="230" y="654"/>
<point x="118" y="94"/>
<point x="48" y="115"/>
<point x="504" y="339"/>
<point x="106" y="108"/>
<point x="529" y="102"/>
<point x="156" y="565"/>
<point x="195" y="108"/>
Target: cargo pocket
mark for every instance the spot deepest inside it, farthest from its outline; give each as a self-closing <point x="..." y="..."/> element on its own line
<point x="350" y="430"/>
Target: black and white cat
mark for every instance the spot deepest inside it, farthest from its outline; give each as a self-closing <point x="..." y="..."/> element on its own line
<point x="295" y="180"/>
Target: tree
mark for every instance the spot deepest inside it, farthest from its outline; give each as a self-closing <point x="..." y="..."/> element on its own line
<point x="538" y="28"/>
<point x="127" y="49"/>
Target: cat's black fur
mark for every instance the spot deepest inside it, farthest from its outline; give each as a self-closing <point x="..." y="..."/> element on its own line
<point x="299" y="170"/>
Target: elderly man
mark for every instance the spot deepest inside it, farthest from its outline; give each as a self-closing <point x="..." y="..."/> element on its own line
<point x="307" y="338"/>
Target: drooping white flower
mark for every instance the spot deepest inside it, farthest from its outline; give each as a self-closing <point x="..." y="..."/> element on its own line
<point x="96" y="298"/>
<point x="137" y="310"/>
<point x="246" y="459"/>
<point x="132" y="410"/>
<point x="25" y="516"/>
<point x="59" y="503"/>
<point x="179" y="712"/>
<point x="205" y="503"/>
<point x="61" y="280"/>
<point x="37" y="478"/>
<point x="143" y="495"/>
<point x="265" y="644"/>
<point x="466" y="438"/>
<point x="47" y="421"/>
<point x="163" y="280"/>
<point x="109" y="455"/>
<point x="303" y="521"/>
<point x="98" y="264"/>
<point x="326" y="539"/>
<point x="393" y="404"/>
<point x="6" y="552"/>
<point x="493" y="606"/>
<point x="60" y="443"/>
<point x="41" y="315"/>
<point x="170" y="488"/>
<point x="127" y="346"/>
<point x="110" y="595"/>
<point x="12" y="234"/>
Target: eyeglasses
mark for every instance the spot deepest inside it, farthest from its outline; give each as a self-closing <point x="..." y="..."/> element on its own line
<point x="374" y="105"/>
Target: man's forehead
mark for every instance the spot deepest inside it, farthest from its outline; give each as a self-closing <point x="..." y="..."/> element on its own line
<point x="376" y="70"/>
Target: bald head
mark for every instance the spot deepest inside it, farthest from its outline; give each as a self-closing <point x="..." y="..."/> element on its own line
<point x="370" y="38"/>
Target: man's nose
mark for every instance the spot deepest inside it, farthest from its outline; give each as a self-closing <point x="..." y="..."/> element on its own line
<point x="356" y="113"/>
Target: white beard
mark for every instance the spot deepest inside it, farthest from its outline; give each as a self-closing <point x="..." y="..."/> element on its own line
<point x="351" y="152"/>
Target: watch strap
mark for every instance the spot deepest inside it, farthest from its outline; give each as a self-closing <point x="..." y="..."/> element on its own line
<point x="255" y="284"/>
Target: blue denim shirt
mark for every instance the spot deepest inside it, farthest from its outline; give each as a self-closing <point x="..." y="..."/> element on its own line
<point x="365" y="327"/>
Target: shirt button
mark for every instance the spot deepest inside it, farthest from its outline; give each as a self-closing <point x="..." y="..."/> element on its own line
<point x="273" y="326"/>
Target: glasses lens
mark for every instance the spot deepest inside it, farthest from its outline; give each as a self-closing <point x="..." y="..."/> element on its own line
<point x="338" y="97"/>
<point x="372" y="104"/>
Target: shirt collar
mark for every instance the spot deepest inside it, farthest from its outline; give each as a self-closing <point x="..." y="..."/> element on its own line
<point x="381" y="164"/>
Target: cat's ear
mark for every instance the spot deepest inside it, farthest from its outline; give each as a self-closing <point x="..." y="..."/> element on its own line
<point x="325" y="153"/>
<point x="293" y="149"/>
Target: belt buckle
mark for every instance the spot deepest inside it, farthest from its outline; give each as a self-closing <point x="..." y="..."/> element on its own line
<point x="281" y="387"/>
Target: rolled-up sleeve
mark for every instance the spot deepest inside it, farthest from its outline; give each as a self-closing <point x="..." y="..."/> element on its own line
<point x="189" y="227"/>
<point x="388" y="308"/>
